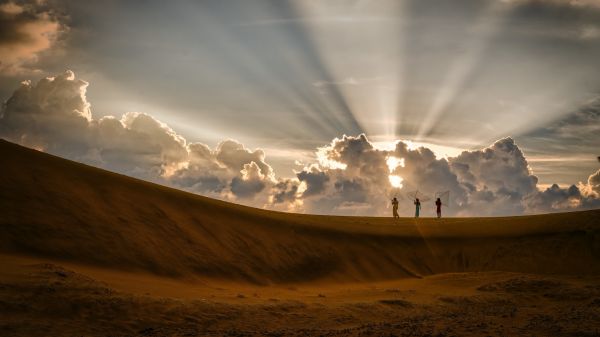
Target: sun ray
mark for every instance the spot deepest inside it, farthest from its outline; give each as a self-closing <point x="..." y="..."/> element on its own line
<point x="483" y="30"/>
<point x="368" y="84"/>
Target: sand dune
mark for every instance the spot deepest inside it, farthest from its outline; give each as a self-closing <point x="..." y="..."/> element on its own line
<point x="86" y="250"/>
<point x="57" y="208"/>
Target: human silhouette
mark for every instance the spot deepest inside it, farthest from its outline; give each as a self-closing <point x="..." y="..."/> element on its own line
<point x="417" y="207"/>
<point x="395" y="208"/>
<point x="438" y="205"/>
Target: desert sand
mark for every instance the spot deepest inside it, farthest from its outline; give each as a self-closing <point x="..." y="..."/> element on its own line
<point x="87" y="252"/>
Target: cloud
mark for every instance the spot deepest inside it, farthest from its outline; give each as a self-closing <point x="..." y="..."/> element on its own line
<point x="26" y="29"/>
<point x="556" y="199"/>
<point x="352" y="179"/>
<point x="568" y="3"/>
<point x="349" y="176"/>
<point x="424" y="172"/>
<point x="250" y="183"/>
<point x="202" y="173"/>
<point x="38" y="115"/>
<point x="231" y="171"/>
<point x="565" y="21"/>
<point x="235" y="156"/>
<point x="594" y="182"/>
<point x="580" y="124"/>
<point x="137" y="144"/>
<point x="569" y="142"/>
<point x="54" y="115"/>
<point x="499" y="172"/>
<point x="314" y="180"/>
<point x="285" y="191"/>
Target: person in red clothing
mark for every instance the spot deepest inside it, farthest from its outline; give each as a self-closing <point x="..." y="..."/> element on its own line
<point x="438" y="205"/>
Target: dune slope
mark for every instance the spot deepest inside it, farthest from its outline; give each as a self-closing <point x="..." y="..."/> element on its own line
<point x="55" y="208"/>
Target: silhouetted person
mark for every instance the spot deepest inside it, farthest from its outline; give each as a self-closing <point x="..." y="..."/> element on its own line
<point x="395" y="208"/>
<point x="417" y="207"/>
<point x="438" y="206"/>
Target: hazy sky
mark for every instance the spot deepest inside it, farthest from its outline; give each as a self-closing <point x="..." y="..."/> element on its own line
<point x="290" y="76"/>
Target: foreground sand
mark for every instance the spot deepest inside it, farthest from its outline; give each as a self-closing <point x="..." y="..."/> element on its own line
<point x="49" y="299"/>
<point x="85" y="252"/>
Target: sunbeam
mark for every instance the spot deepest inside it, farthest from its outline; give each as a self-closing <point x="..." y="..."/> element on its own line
<point x="478" y="37"/>
<point x="290" y="76"/>
<point x="369" y="82"/>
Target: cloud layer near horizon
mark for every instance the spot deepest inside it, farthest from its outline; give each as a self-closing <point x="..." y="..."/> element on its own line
<point x="351" y="175"/>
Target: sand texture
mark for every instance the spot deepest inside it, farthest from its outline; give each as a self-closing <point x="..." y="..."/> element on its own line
<point x="86" y="252"/>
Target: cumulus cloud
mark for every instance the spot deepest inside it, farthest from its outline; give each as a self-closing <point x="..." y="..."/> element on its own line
<point x="136" y="144"/>
<point x="250" y="183"/>
<point x="38" y="115"/>
<point x="350" y="175"/>
<point x="314" y="180"/>
<point x="499" y="173"/>
<point x="54" y="115"/>
<point x="593" y="185"/>
<point x="556" y="199"/>
<point x="233" y="155"/>
<point x="231" y="171"/>
<point x="353" y="178"/>
<point x="26" y="29"/>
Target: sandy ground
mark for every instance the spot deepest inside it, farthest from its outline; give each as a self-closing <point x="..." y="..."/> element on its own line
<point x="85" y="252"/>
<point x="49" y="299"/>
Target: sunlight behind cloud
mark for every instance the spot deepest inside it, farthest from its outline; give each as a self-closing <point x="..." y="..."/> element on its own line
<point x="396" y="181"/>
<point x="393" y="162"/>
<point x="441" y="151"/>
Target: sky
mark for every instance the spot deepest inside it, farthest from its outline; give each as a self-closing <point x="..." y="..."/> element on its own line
<point x="299" y="105"/>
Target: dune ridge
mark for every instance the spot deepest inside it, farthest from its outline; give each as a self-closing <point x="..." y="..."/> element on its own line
<point x="96" y="217"/>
